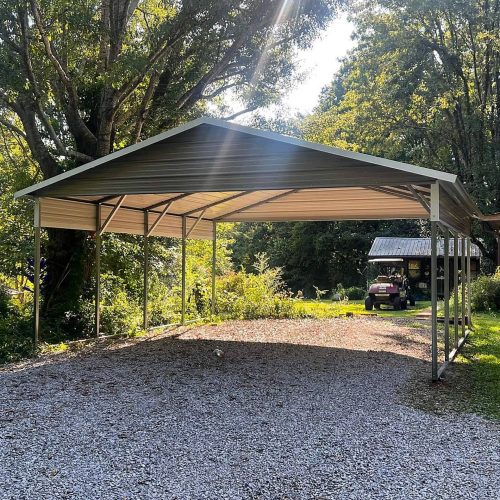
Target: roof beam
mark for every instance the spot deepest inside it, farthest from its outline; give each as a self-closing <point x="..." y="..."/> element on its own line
<point x="400" y="194"/>
<point x="420" y="198"/>
<point x="196" y="222"/>
<point x="215" y="203"/>
<point x="109" y="218"/>
<point x="253" y="205"/>
<point x="106" y="198"/>
<point x="158" y="219"/>
<point x="164" y="202"/>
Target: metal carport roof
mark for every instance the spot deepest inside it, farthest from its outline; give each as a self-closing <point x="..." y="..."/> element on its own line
<point x="227" y="172"/>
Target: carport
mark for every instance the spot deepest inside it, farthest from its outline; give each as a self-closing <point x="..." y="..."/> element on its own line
<point x="181" y="183"/>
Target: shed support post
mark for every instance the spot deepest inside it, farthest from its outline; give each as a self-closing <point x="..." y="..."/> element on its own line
<point x="183" y="275"/>
<point x="146" y="271"/>
<point x="97" y="271"/>
<point x="455" y="288"/>
<point x="446" y="294"/>
<point x="36" y="276"/>
<point x="434" y="351"/>
<point x="498" y="249"/>
<point x="214" y="262"/>
<point x="463" y="282"/>
<point x="469" y="312"/>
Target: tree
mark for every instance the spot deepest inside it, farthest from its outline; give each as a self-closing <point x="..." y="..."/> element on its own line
<point x="321" y="254"/>
<point x="423" y="86"/>
<point x="79" y="79"/>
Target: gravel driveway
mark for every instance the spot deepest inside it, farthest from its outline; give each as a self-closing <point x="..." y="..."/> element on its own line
<point x="310" y="413"/>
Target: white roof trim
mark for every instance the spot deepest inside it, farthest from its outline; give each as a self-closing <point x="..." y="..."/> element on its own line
<point x="405" y="167"/>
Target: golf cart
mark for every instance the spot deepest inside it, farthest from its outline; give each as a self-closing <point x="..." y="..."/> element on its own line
<point x="390" y="287"/>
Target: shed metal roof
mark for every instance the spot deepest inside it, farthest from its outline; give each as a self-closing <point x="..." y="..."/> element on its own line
<point x="220" y="171"/>
<point x="414" y="247"/>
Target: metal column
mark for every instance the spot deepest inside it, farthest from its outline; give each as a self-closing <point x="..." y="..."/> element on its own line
<point x="183" y="276"/>
<point x="97" y="270"/>
<point x="434" y="350"/>
<point x="146" y="271"/>
<point x="446" y="294"/>
<point x="469" y="317"/>
<point x="455" y="288"/>
<point x="214" y="262"/>
<point x="36" y="276"/>
<point x="463" y="283"/>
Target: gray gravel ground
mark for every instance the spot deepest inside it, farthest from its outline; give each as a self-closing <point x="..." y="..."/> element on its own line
<point x="165" y="418"/>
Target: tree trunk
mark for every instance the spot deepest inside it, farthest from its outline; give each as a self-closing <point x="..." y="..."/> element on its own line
<point x="67" y="259"/>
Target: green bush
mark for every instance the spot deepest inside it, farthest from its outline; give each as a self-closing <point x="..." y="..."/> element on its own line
<point x="4" y="301"/>
<point x="119" y="314"/>
<point x="355" y="293"/>
<point x="16" y="329"/>
<point x="245" y="295"/>
<point x="485" y="293"/>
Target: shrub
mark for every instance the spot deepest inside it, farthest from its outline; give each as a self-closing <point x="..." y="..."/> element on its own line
<point x="16" y="329"/>
<point x="245" y="295"/>
<point x="485" y="293"/>
<point x="119" y="314"/>
<point x="4" y="301"/>
<point x="355" y="293"/>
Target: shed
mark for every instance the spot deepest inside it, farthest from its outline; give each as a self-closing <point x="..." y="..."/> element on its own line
<point x="416" y="254"/>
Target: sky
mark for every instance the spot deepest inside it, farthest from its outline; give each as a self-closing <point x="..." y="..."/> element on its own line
<point x="320" y="63"/>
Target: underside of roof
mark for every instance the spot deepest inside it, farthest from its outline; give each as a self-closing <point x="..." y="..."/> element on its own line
<point x="414" y="247"/>
<point x="209" y="170"/>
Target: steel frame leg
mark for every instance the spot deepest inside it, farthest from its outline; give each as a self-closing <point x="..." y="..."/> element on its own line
<point x="214" y="262"/>
<point x="183" y="276"/>
<point x="36" y="275"/>
<point x="434" y="335"/>
<point x="446" y="294"/>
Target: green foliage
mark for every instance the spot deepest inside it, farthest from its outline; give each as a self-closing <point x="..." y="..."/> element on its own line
<point x="418" y="87"/>
<point x="315" y="253"/>
<point x="355" y="293"/>
<point x="485" y="293"/>
<point x="244" y="295"/>
<point x="319" y="293"/>
<point x="16" y="328"/>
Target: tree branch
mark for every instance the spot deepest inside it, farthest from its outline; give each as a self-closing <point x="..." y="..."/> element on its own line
<point x="74" y="119"/>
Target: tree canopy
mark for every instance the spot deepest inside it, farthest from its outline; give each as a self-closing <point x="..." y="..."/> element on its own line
<point x="422" y="85"/>
<point x="81" y="79"/>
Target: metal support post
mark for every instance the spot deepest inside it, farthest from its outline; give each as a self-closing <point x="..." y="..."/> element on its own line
<point x="455" y="288"/>
<point x="446" y="294"/>
<point x="146" y="271"/>
<point x="434" y="339"/>
<point x="183" y="276"/>
<point x="469" y="317"/>
<point x="36" y="276"/>
<point x="97" y="271"/>
<point x="214" y="261"/>
<point x="463" y="283"/>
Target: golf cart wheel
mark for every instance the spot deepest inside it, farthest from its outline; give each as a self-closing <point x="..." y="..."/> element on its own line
<point x="368" y="303"/>
<point x="397" y="303"/>
<point x="404" y="304"/>
<point x="412" y="301"/>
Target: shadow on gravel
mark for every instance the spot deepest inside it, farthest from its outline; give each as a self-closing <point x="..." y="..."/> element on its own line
<point x="160" y="363"/>
<point x="168" y="418"/>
